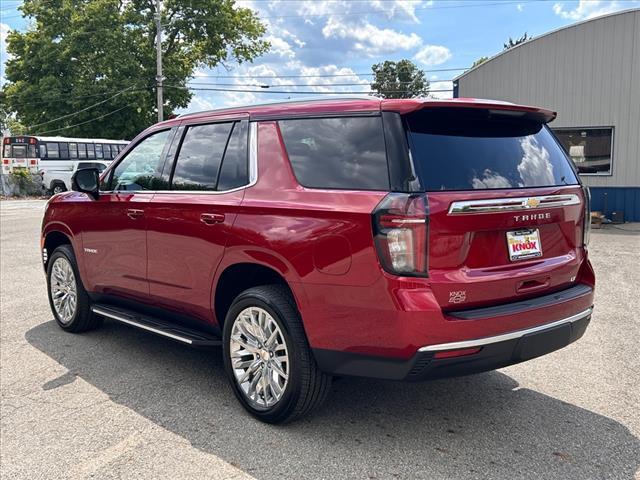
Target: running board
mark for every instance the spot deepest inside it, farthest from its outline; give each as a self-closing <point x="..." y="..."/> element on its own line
<point x="158" y="326"/>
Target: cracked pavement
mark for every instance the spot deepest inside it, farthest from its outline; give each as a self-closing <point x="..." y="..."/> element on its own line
<point x="122" y="403"/>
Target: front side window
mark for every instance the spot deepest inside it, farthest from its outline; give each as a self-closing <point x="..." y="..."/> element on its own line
<point x="589" y="148"/>
<point x="73" y="150"/>
<point x="341" y="153"/>
<point x="471" y="149"/>
<point x="138" y="169"/>
<point x="52" y="150"/>
<point x="200" y="157"/>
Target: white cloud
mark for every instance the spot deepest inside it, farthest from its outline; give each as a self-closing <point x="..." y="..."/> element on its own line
<point x="280" y="47"/>
<point x="587" y="9"/>
<point x="329" y="84"/>
<point x="433" y="55"/>
<point x="199" y="103"/>
<point x="520" y="7"/>
<point x="370" y="39"/>
<point x="442" y="89"/>
<point x="399" y="7"/>
<point x="535" y="167"/>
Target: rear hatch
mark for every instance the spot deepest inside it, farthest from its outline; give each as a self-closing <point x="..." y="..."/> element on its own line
<point x="506" y="209"/>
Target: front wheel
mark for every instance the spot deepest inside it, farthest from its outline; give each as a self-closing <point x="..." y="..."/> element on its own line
<point x="68" y="299"/>
<point x="267" y="357"/>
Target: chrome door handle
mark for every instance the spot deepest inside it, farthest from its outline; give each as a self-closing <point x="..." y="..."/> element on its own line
<point x="134" y="213"/>
<point x="212" y="218"/>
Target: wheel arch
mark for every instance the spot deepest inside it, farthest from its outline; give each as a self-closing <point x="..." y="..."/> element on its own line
<point x="51" y="241"/>
<point x="238" y="277"/>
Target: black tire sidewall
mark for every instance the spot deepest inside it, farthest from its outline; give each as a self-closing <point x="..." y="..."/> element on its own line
<point x="275" y="414"/>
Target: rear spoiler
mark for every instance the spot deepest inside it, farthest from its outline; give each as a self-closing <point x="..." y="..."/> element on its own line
<point x="493" y="106"/>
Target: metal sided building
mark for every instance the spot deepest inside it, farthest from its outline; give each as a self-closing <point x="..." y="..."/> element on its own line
<point x="589" y="73"/>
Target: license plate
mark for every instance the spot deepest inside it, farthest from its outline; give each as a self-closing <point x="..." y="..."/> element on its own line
<point x="524" y="244"/>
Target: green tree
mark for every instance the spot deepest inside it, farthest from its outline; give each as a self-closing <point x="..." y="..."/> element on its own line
<point x="479" y="61"/>
<point x="512" y="43"/>
<point x="9" y="125"/>
<point x="79" y="53"/>
<point x="399" y="80"/>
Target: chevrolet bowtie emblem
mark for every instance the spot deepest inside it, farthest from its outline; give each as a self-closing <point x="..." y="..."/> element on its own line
<point x="532" y="202"/>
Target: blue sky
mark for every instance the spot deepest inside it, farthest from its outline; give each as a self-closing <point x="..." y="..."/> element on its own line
<point x="344" y="38"/>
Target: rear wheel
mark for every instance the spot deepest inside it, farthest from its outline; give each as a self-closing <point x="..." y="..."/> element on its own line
<point x="267" y="357"/>
<point x="68" y="299"/>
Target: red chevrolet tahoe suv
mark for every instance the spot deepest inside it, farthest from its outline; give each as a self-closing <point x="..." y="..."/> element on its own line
<point x="397" y="239"/>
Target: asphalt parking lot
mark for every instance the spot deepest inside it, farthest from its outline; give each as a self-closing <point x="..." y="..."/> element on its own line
<point x="120" y="403"/>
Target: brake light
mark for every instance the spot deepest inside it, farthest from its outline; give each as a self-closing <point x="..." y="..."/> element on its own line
<point x="586" y="227"/>
<point x="33" y="162"/>
<point x="5" y="161"/>
<point x="401" y="233"/>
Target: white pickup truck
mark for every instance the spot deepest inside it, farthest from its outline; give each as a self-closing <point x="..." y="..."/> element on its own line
<point x="59" y="180"/>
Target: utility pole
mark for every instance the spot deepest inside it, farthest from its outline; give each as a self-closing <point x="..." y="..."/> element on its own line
<point x="159" y="77"/>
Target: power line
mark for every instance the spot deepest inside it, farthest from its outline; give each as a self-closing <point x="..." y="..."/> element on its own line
<point x="327" y="75"/>
<point x="79" y="111"/>
<point x="84" y="123"/>
<point x="380" y="12"/>
<point x="65" y="97"/>
<point x="297" y="92"/>
<point x="304" y="84"/>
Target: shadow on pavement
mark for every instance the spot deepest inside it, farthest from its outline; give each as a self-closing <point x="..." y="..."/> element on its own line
<point x="471" y="427"/>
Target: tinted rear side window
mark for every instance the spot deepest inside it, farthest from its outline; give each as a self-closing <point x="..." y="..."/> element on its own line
<point x="467" y="149"/>
<point x="341" y="153"/>
<point x="234" y="171"/>
<point x="200" y="156"/>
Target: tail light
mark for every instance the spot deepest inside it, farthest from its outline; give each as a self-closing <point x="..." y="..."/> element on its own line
<point x="586" y="228"/>
<point x="401" y="233"/>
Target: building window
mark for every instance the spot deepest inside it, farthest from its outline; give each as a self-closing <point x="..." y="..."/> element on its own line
<point x="591" y="149"/>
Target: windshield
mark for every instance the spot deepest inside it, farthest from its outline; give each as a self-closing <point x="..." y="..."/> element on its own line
<point x="470" y="149"/>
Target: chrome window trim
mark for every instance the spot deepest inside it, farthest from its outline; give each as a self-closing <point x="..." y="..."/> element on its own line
<point x="505" y="336"/>
<point x="253" y="173"/>
<point x="510" y="204"/>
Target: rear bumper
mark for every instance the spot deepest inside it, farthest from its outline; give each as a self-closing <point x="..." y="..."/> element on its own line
<point x="495" y="352"/>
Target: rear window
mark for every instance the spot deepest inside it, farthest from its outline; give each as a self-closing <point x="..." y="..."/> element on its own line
<point x="341" y="153"/>
<point x="470" y="149"/>
<point x="19" y="151"/>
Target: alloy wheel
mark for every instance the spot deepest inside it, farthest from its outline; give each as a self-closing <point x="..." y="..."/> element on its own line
<point x="259" y="357"/>
<point x="64" y="292"/>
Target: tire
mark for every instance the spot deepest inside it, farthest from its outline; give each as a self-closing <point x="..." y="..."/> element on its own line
<point x="306" y="386"/>
<point x="63" y="276"/>
<point x="58" y="187"/>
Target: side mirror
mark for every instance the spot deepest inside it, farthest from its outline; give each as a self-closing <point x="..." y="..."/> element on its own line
<point x="87" y="180"/>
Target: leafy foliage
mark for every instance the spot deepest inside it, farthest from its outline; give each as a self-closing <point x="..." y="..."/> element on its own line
<point x="479" y="61"/>
<point x="79" y="53"/>
<point x="512" y="43"/>
<point x="399" y="80"/>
